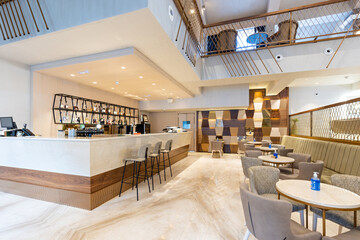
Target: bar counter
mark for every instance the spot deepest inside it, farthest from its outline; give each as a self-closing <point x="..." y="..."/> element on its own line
<point x="80" y="172"/>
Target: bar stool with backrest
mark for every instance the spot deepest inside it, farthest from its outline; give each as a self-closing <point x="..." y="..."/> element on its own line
<point x="155" y="156"/>
<point x="167" y="151"/>
<point x="141" y="158"/>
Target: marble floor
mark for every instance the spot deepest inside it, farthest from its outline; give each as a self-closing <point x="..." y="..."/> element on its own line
<point x="201" y="201"/>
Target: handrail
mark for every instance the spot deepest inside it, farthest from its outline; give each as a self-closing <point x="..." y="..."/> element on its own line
<point x="326" y="106"/>
<point x="274" y="13"/>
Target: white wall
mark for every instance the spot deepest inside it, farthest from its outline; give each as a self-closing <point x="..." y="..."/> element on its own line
<point x="15" y="92"/>
<point x="211" y="97"/>
<point x="305" y="98"/>
<point x="44" y="88"/>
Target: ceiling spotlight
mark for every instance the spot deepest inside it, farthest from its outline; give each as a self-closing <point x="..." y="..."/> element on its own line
<point x="123" y="67"/>
<point x="192" y="11"/>
<point x="112" y="88"/>
<point x="94" y="82"/>
<point x="126" y="92"/>
<point x="116" y="82"/>
<point x="72" y="75"/>
<point x="141" y="77"/>
<point x="163" y="89"/>
<point x="153" y="84"/>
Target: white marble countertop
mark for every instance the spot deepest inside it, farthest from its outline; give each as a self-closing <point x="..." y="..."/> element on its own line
<point x="280" y="159"/>
<point x="84" y="139"/>
<point x="329" y="196"/>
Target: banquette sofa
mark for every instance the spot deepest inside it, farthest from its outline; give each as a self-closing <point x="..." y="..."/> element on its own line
<point x="337" y="157"/>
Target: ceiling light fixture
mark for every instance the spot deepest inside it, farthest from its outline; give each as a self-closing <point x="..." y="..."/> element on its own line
<point x="153" y="84"/>
<point x="117" y="82"/>
<point x="163" y="89"/>
<point x="123" y="67"/>
<point x="126" y="92"/>
<point x="94" y="82"/>
<point x="72" y="75"/>
<point x="192" y="11"/>
<point x="112" y="88"/>
<point x="141" y="77"/>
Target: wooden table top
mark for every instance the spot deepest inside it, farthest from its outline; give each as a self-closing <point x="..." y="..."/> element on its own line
<point x="267" y="149"/>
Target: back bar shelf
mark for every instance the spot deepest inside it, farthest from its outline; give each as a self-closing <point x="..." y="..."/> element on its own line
<point x="68" y="109"/>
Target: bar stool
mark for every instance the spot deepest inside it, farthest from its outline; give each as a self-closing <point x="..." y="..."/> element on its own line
<point x="141" y="158"/>
<point x="167" y="151"/>
<point x="155" y="156"/>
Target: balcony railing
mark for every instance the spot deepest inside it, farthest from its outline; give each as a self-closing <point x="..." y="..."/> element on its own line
<point x="312" y="23"/>
<point x="337" y="122"/>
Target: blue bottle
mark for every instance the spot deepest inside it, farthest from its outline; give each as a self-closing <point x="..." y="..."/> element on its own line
<point x="276" y="154"/>
<point x="269" y="145"/>
<point x="315" y="182"/>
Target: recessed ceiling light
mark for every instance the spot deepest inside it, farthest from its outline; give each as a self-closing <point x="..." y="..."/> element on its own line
<point x="153" y="84"/>
<point x="84" y="72"/>
<point x="123" y="67"/>
<point x="171" y="93"/>
<point x="141" y="77"/>
<point x="94" y="82"/>
<point x="192" y="11"/>
<point x="72" y="75"/>
<point x="163" y="89"/>
<point x="116" y="82"/>
<point x="126" y="92"/>
<point x="112" y="88"/>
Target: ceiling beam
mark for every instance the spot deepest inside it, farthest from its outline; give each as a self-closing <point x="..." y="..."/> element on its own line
<point x="276" y="87"/>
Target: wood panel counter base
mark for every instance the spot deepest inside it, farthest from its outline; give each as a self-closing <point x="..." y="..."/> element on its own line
<point x="72" y="190"/>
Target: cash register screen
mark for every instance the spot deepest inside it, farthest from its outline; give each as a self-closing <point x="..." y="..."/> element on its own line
<point x="6" y="122"/>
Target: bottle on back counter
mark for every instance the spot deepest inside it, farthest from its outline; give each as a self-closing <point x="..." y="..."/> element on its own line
<point x="315" y="182"/>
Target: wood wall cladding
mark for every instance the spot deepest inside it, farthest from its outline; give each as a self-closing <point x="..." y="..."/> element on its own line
<point x="266" y="117"/>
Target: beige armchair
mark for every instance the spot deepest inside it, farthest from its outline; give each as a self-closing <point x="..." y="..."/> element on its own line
<point x="253" y="153"/>
<point x="299" y="157"/>
<point x="343" y="218"/>
<point x="271" y="219"/>
<point x="265" y="144"/>
<point x="287" y="31"/>
<point x="248" y="162"/>
<point x="306" y="171"/>
<point x="241" y="146"/>
<point x="263" y="182"/>
<point x="217" y="146"/>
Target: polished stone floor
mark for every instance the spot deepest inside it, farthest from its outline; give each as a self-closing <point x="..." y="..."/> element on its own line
<point x="201" y="201"/>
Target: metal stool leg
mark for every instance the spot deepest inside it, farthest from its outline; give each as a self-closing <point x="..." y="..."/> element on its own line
<point x="158" y="166"/>
<point x="152" y="171"/>
<point x="146" y="175"/>
<point x="122" y="179"/>
<point x="133" y="176"/>
<point x="136" y="184"/>
<point x="169" y="163"/>
<point x="164" y="166"/>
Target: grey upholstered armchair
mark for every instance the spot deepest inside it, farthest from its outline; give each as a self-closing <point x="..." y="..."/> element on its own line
<point x="306" y="171"/>
<point x="253" y="153"/>
<point x="248" y="162"/>
<point x="265" y="144"/>
<point x="241" y="146"/>
<point x="343" y="218"/>
<point x="284" y="152"/>
<point x="271" y="219"/>
<point x="350" y="235"/>
<point x="263" y="182"/>
<point x="299" y="157"/>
